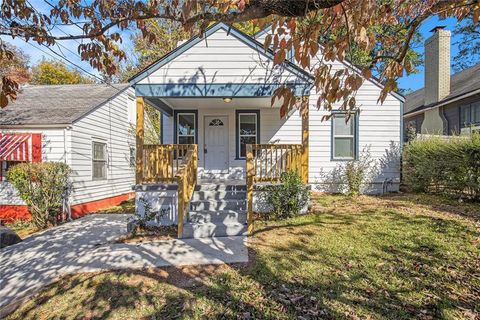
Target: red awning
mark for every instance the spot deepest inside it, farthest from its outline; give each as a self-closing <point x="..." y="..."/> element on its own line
<point x="20" y="147"/>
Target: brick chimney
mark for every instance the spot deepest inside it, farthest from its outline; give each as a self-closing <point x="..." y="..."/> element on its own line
<point x="437" y="65"/>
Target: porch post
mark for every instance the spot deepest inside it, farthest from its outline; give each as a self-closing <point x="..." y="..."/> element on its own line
<point x="139" y="133"/>
<point x="250" y="176"/>
<point x="305" y="133"/>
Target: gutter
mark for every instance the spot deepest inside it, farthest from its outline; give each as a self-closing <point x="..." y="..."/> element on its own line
<point x="34" y="126"/>
<point x="443" y="103"/>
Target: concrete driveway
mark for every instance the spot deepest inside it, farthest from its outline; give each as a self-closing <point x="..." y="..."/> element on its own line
<point x="86" y="245"/>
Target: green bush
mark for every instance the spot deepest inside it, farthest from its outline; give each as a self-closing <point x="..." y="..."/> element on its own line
<point x="42" y="187"/>
<point x="440" y="165"/>
<point x="288" y="197"/>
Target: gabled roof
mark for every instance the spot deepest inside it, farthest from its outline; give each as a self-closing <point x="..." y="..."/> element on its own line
<point x="56" y="104"/>
<point x="246" y="39"/>
<point x="462" y="84"/>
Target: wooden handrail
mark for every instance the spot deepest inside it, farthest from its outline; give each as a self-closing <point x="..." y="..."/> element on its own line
<point x="271" y="160"/>
<point x="266" y="163"/>
<point x="161" y="162"/>
<point x="186" y="178"/>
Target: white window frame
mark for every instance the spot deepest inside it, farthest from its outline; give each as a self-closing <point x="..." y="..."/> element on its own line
<point x="354" y="136"/>
<point x="240" y="135"/>
<point x="194" y="135"/>
<point x="94" y="141"/>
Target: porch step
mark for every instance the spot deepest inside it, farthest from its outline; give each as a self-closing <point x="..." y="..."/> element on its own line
<point x="217" y="205"/>
<point x="219" y="195"/>
<point x="210" y="229"/>
<point x="222" y="216"/>
<point x="220" y="187"/>
<point x="217" y="210"/>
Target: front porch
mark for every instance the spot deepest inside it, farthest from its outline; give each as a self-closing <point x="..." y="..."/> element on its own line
<point x="217" y="144"/>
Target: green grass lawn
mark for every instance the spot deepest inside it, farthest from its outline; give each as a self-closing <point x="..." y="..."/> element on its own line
<point x="395" y="257"/>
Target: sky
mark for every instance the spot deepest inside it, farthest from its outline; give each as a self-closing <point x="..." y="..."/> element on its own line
<point x="68" y="49"/>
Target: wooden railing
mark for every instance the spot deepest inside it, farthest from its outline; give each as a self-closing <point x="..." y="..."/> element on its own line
<point x="172" y="163"/>
<point x="186" y="178"/>
<point x="162" y="162"/>
<point x="266" y="163"/>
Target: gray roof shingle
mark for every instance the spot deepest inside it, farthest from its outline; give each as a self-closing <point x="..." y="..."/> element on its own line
<point x="461" y="83"/>
<point x="56" y="104"/>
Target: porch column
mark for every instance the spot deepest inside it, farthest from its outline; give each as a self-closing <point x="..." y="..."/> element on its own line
<point x="139" y="133"/>
<point x="305" y="133"/>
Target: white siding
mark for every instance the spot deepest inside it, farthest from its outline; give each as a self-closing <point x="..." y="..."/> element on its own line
<point x="379" y="131"/>
<point x="53" y="149"/>
<point x="224" y="59"/>
<point x="108" y="123"/>
<point x="221" y="58"/>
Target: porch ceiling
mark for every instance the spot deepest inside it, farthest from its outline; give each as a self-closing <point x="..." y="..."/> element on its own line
<point x="189" y="103"/>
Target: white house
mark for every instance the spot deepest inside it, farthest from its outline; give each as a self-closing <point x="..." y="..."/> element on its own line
<point x="87" y="126"/>
<point x="214" y="93"/>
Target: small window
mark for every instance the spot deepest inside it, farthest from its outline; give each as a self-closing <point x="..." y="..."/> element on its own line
<point x="132" y="157"/>
<point x="99" y="160"/>
<point x="247" y="126"/>
<point x="465" y="116"/>
<point x="344" y="137"/>
<point x="476" y="113"/>
<point x="186" y="130"/>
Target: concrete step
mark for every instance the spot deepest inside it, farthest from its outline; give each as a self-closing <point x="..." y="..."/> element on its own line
<point x="210" y="229"/>
<point x="222" y="216"/>
<point x="220" y="187"/>
<point x="215" y="205"/>
<point x="219" y="195"/>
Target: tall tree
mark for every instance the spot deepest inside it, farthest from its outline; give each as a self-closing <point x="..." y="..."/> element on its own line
<point x="349" y="24"/>
<point x="56" y="72"/>
<point x="468" y="45"/>
<point x="13" y="66"/>
<point x="165" y="35"/>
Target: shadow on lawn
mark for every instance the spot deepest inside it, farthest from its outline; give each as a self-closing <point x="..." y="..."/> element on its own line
<point x="410" y="279"/>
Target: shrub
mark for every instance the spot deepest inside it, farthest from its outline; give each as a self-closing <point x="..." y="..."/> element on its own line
<point x="357" y="172"/>
<point x="288" y="197"/>
<point x="43" y="187"/>
<point x="443" y="165"/>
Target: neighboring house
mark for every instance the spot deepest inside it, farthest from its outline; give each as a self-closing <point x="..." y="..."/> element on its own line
<point x="214" y="93"/>
<point x="87" y="126"/>
<point x="447" y="105"/>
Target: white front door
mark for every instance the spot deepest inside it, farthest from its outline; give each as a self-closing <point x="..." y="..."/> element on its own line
<point x="216" y="144"/>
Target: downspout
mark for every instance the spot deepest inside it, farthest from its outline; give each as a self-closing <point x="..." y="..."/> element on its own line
<point x="446" y="124"/>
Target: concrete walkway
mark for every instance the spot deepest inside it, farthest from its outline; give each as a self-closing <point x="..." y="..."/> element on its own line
<point x="85" y="245"/>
